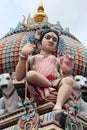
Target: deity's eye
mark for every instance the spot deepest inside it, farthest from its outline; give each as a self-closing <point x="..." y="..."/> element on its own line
<point x="48" y="37"/>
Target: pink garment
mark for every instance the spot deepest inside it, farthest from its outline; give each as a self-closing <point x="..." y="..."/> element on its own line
<point x="41" y="65"/>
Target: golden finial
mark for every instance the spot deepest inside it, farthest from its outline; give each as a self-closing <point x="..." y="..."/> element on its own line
<point x="40" y="15"/>
<point x="41" y="4"/>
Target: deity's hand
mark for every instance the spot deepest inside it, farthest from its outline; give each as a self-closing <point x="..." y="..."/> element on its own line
<point x="28" y="49"/>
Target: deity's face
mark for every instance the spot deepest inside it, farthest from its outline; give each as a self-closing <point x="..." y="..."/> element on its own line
<point x="49" y="42"/>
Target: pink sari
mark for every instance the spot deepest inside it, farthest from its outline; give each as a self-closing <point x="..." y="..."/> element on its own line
<point x="41" y="66"/>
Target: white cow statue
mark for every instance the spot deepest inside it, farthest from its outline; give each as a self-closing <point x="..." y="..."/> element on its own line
<point x="10" y="99"/>
<point x="80" y="85"/>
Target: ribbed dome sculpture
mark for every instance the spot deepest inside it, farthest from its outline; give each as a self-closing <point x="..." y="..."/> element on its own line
<point x="15" y="39"/>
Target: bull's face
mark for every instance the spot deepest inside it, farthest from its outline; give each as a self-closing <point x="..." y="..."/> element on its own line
<point x="82" y="81"/>
<point x="4" y="80"/>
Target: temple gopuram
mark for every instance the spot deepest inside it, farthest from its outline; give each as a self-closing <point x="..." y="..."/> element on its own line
<point x="32" y="115"/>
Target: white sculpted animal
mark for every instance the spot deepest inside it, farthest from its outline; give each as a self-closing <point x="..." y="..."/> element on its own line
<point x="10" y="99"/>
<point x="79" y="86"/>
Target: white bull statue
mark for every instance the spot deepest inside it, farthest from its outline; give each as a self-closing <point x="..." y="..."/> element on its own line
<point x="80" y="86"/>
<point x="10" y="99"/>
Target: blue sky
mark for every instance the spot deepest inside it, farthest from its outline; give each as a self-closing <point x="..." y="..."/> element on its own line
<point x="70" y="13"/>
